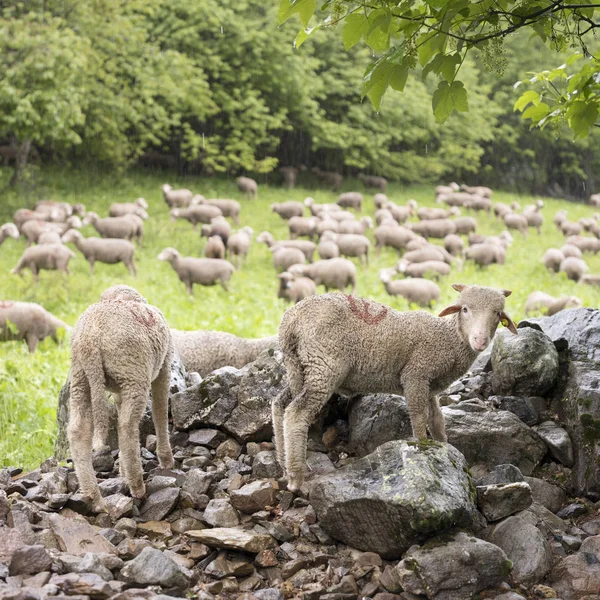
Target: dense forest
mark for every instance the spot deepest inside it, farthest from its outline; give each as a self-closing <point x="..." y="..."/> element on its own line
<point x="216" y="87"/>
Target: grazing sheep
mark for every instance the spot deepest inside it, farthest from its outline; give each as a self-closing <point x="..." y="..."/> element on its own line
<point x="229" y="208"/>
<point x="532" y="213"/>
<point x="128" y="227"/>
<point x="176" y="198"/>
<point x="302" y="226"/>
<point x="8" y="230"/>
<point x="402" y="213"/>
<point x="356" y="227"/>
<point x="336" y="343"/>
<point x="203" y="271"/>
<point x="435" y="268"/>
<point x="595" y="199"/>
<point x="328" y="178"/>
<point x="374" y="181"/>
<point x="23" y="215"/>
<point x="380" y="200"/>
<point x="465" y="225"/>
<point x="306" y="246"/>
<point x="49" y="257"/>
<point x="590" y="279"/>
<point x="350" y="244"/>
<point x="585" y="244"/>
<point x="420" y="291"/>
<point x="328" y="224"/>
<point x="283" y="257"/>
<point x="215" y="248"/>
<point x="121" y="344"/>
<point x="429" y="252"/>
<point x="516" y="221"/>
<point x="486" y="254"/>
<point x="28" y="321"/>
<point x="289" y="209"/>
<point x="454" y="244"/>
<point x="350" y="200"/>
<point x="197" y="213"/>
<point x="426" y="213"/>
<point x="289" y="176"/>
<point x="417" y="243"/>
<point x="328" y="249"/>
<point x="392" y="236"/>
<point x="500" y="210"/>
<point x="436" y="228"/>
<point x="218" y="226"/>
<point x="317" y="209"/>
<point x="559" y="217"/>
<point x="105" y="250"/>
<point x="574" y="267"/>
<point x="456" y="199"/>
<point x="32" y="230"/>
<point x="571" y="249"/>
<point x="59" y="211"/>
<point x="336" y="273"/>
<point x="569" y="228"/>
<point x="383" y="214"/>
<point x="477" y="190"/>
<point x="294" y="288"/>
<point x="538" y="301"/>
<point x="552" y="259"/>
<point x="447" y="189"/>
<point x="339" y="216"/>
<point x="205" y="351"/>
<point x="479" y="203"/>
<point x="50" y="237"/>
<point x="238" y="244"/>
<point x="139" y="208"/>
<point x="247" y="186"/>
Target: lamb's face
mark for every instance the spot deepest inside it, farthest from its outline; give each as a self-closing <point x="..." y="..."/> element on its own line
<point x="168" y="254"/>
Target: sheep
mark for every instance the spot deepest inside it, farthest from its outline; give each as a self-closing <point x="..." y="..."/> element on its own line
<point x="215" y="248"/>
<point x="218" y="226"/>
<point x="342" y="215"/>
<point x="328" y="178"/>
<point x="128" y="227"/>
<point x="571" y="249"/>
<point x="585" y="244"/>
<point x="374" y="181"/>
<point x="486" y="254"/>
<point x="590" y="279"/>
<point x="477" y="190"/>
<point x="447" y="189"/>
<point x="418" y="242"/>
<point x="50" y="237"/>
<point x="595" y="199"/>
<point x="350" y="200"/>
<point x="420" y="291"/>
<point x="8" y="230"/>
<point x="336" y="343"/>
<point x="587" y="223"/>
<point x="289" y="176"/>
<point x="357" y="227"/>
<point x="306" y="246"/>
<point x="456" y="199"/>
<point x="393" y="237"/>
<point x="229" y="208"/>
<point x="351" y="245"/>
<point x="402" y="213"/>
<point x="105" y="250"/>
<point x="247" y="186"/>
<point x="328" y="249"/>
<point x="569" y="228"/>
<point x="139" y="208"/>
<point x="384" y="215"/>
<point x="33" y="229"/>
<point x="197" y="213"/>
<point x="328" y="224"/>
<point x="61" y="209"/>
<point x="203" y="271"/>
<point x="429" y="252"/>
<point x="504" y="239"/>
<point x="500" y="210"/>
<point x="380" y="200"/>
<point x="23" y="215"/>
<point x="436" y="228"/>
<point x="283" y="258"/>
<point x="454" y="244"/>
<point x="205" y="351"/>
<point x="176" y="198"/>
<point x="316" y="209"/>
<point x="479" y="203"/>
<point x="294" y="288"/>
<point x="465" y="225"/>
<point x="538" y="301"/>
<point x="436" y="268"/>
<point x="336" y="273"/>
<point x="287" y="210"/>
<point x="516" y="221"/>
<point x="552" y="259"/>
<point x="29" y="322"/>
<point x="124" y="345"/>
<point x="238" y="244"/>
<point x="559" y="217"/>
<point x="47" y="257"/>
<point x="573" y="267"/>
<point x="426" y="213"/>
<point x="302" y="226"/>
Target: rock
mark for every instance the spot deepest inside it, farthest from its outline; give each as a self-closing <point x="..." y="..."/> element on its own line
<point x="453" y="568"/>
<point x="229" y="448"/>
<point x="119" y="506"/>
<point x="210" y="438"/>
<point x="155" y="530"/>
<point x="78" y="537"/>
<point x="396" y="496"/>
<point x="558" y="442"/>
<point x="502" y="500"/>
<point x="29" y="560"/>
<point x="233" y="539"/>
<point x="236" y="401"/>
<point x="524" y="364"/>
<point x="265" y="465"/>
<point x="488" y="439"/>
<point x="266" y="558"/>
<point x="501" y="474"/>
<point x="254" y="497"/>
<point x="578" y="576"/>
<point x="160" y="482"/>
<point x="103" y="461"/>
<point x="547" y="494"/>
<point x="220" y="513"/>
<point x="196" y="484"/>
<point x="153" y="567"/>
<point x="572" y="511"/>
<point x="522" y="407"/>
<point x="229" y="565"/>
<point x="4" y="506"/>
<point x="81" y="586"/>
<point x="11" y="540"/>
<point x="158" y="505"/>
<point x="91" y="563"/>
<point x="375" y="419"/>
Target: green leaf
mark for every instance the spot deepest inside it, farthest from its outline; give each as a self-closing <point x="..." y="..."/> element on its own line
<point x="376" y="81"/>
<point x="448" y="66"/>
<point x="526" y="98"/>
<point x="536" y="113"/>
<point x="425" y="48"/>
<point x="437" y="3"/>
<point x="378" y="40"/>
<point x="583" y="118"/>
<point x="398" y="77"/>
<point x="354" y="27"/>
<point x="304" y="8"/>
<point x="449" y="97"/>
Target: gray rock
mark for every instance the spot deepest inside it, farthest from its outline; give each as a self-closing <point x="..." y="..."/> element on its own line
<point x="229" y="566"/>
<point x="10" y="541"/>
<point x="578" y="576"/>
<point x="91" y="563"/>
<point x="558" y="442"/>
<point x="502" y="500"/>
<point x="220" y="513"/>
<point x="4" y="506"/>
<point x="453" y="568"/>
<point x="233" y="539"/>
<point x="376" y="419"/>
<point x="158" y="505"/>
<point x="265" y="465"/>
<point x="489" y="439"/>
<point x="119" y="506"/>
<point x="210" y="438"/>
<point x="522" y="407"/>
<point x="253" y="497"/>
<point x="547" y="494"/>
<point x="77" y="537"/>
<point x="396" y="496"/>
<point x="115" y="485"/>
<point x="510" y="596"/>
<point x="160" y="482"/>
<point x="502" y="474"/>
<point x="523" y="365"/>
<point x="29" y="560"/>
<point x="80" y="586"/>
<point x="197" y="484"/>
<point x="153" y="567"/>
<point x="572" y="511"/>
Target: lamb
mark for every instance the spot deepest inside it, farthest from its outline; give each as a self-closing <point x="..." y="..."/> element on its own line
<point x="538" y="301"/>
<point x="122" y="344"/>
<point x="317" y="209"/>
<point x="203" y="271"/>
<point x="416" y="290"/>
<point x="569" y="228"/>
<point x="8" y="230"/>
<point x="247" y="186"/>
<point x="336" y="343"/>
<point x="294" y="288"/>
<point x="486" y="254"/>
<point x="328" y="178"/>
<point x="229" y="208"/>
<point x="48" y="257"/>
<point x="32" y="230"/>
<point x="328" y="249"/>
<point x="380" y="200"/>
<point x="23" y="215"/>
<point x="571" y="249"/>
<point x="128" y="227"/>
<point x="50" y="237"/>
<point x="283" y="258"/>
<point x="402" y="213"/>
<point x="454" y="244"/>
<point x="426" y="213"/>
<point x="552" y="259"/>
<point x="393" y="237"/>
<point x="374" y="181"/>
<point x="436" y="268"/>
<point x="585" y="244"/>
<point x="350" y="200"/>
<point x="205" y="351"/>
<point x="306" y="246"/>
<point x="289" y="176"/>
<point x="590" y="279"/>
<point x="176" y="198"/>
<point x="215" y="248"/>
<point x="218" y="226"/>
<point x="30" y="322"/>
<point x="436" y="228"/>
<point x="336" y="273"/>
<point x="356" y="227"/>
<point x="516" y="221"/>
<point x="465" y="225"/>
<point x="287" y="210"/>
<point x="559" y="217"/>
<point x="478" y="190"/>
<point x="429" y="252"/>
<point x="595" y="199"/>
<point x="105" y="250"/>
<point x="196" y="213"/>
<point x="574" y="268"/>
<point x="302" y="226"/>
<point x="238" y="244"/>
<point x="329" y="225"/>
<point x="351" y="245"/>
<point x="139" y="208"/>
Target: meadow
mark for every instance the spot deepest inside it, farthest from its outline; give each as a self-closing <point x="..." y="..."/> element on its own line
<point x="29" y="384"/>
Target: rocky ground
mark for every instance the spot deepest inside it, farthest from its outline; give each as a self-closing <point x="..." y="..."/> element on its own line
<point x="507" y="509"/>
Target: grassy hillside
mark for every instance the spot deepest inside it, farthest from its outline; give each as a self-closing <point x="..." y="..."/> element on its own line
<point x="29" y="385"/>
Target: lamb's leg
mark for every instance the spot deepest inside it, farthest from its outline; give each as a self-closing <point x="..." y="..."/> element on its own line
<point x="437" y="423"/>
<point x="160" y="414"/>
<point x="92" y="262"/>
<point x="277" y="412"/>
<point x="32" y="342"/>
<point x="131" y="267"/>
<point x="417" y="398"/>
<point x="189" y="286"/>
<point x="34" y="273"/>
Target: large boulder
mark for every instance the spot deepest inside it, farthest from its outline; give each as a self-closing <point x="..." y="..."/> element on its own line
<point x="524" y="364"/>
<point x="399" y="495"/>
<point x="235" y="400"/>
<point x="578" y="576"/>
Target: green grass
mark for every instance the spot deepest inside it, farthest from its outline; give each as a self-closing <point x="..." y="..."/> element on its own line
<point x="29" y="385"/>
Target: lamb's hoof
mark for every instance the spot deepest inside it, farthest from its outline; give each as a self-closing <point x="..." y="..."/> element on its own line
<point x="99" y="506"/>
<point x="294" y="483"/>
<point x="138" y="492"/>
<point x="166" y="462"/>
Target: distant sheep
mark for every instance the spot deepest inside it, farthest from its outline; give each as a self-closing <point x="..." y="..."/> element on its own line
<point x="238" y="245"/>
<point x="336" y="273"/>
<point x="295" y="288"/>
<point x="380" y="200"/>
<point x="478" y="190"/>
<point x="139" y="208"/>
<point x="176" y="198"/>
<point x="32" y="230"/>
<point x="51" y="237"/>
<point x="552" y="259"/>
<point x="247" y="186"/>
<point x="287" y="210"/>
<point x="128" y="227"/>
<point x="289" y="176"/>
<point x="516" y="221"/>
<point x="196" y="213"/>
<point x="8" y="230"/>
<point x="317" y="209"/>
<point x="229" y="208"/>
<point x="415" y="290"/>
<point x="350" y="200"/>
<point x="575" y="268"/>
<point x="590" y="280"/>
<point x="595" y="199"/>
<point x="302" y="226"/>
<point x="585" y="244"/>
<point x="402" y="213"/>
<point x="306" y="246"/>
<point x="454" y="244"/>
<point x="356" y="227"/>
<point x="218" y="226"/>
<point x="215" y="248"/>
<point x="283" y="258"/>
<point x="433" y="268"/>
<point x="486" y="254"/>
<point x="374" y="181"/>
<point x="350" y="245"/>
<point x="465" y="225"/>
<point x="426" y="213"/>
<point x="571" y="249"/>
<point x="435" y="228"/>
<point x="328" y="249"/>
<point x="328" y="178"/>
<point x="393" y="237"/>
<point x="49" y="257"/>
<point x="538" y="301"/>
<point x="569" y="228"/>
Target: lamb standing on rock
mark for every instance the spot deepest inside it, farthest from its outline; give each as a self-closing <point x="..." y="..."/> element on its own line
<point x="420" y="291"/>
<point x="49" y="257"/>
<point x="215" y="248"/>
<point x="336" y="273"/>
<point x="176" y="198"/>
<point x="336" y="343"/>
<point x="247" y="186"/>
<point x="124" y="345"/>
<point x="30" y="322"/>
<point x="238" y="244"/>
<point x="8" y="230"/>
<point x="295" y="288"/>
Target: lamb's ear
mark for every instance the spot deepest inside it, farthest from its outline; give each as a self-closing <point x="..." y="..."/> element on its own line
<point x="507" y="322"/>
<point x="450" y="310"/>
<point x="459" y="287"/>
<point x="507" y="293"/>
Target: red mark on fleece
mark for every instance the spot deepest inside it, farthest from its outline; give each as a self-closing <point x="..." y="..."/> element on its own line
<point x="6" y="303"/>
<point x="140" y="312"/>
<point x="361" y="308"/>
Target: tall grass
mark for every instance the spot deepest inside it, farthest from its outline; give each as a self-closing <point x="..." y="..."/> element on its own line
<point x="29" y="384"/>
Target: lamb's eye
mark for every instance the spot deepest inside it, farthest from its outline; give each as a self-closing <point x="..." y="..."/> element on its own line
<point x="465" y="309"/>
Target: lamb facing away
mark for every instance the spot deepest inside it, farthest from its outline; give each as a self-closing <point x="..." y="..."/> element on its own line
<point x="294" y="288"/>
<point x="306" y="246"/>
<point x="289" y="209"/>
<point x="420" y="291"/>
<point x="215" y="248"/>
<point x="8" y="230"/>
<point x="229" y="208"/>
<point x="176" y="198"/>
<point x="218" y="226"/>
<point x="336" y="343"/>
<point x="283" y="258"/>
<point x="49" y="257"/>
<point x="238" y="244"/>
<point x="30" y="322"/>
<point x="128" y="227"/>
<point x="538" y="301"/>
<point x="203" y="271"/>
<point x="204" y="351"/>
<point x="574" y="268"/>
<point x="247" y="186"/>
<point x="336" y="273"/>
<point x="122" y="344"/>
<point x="139" y="208"/>
<point x="105" y="250"/>
<point x="552" y="259"/>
